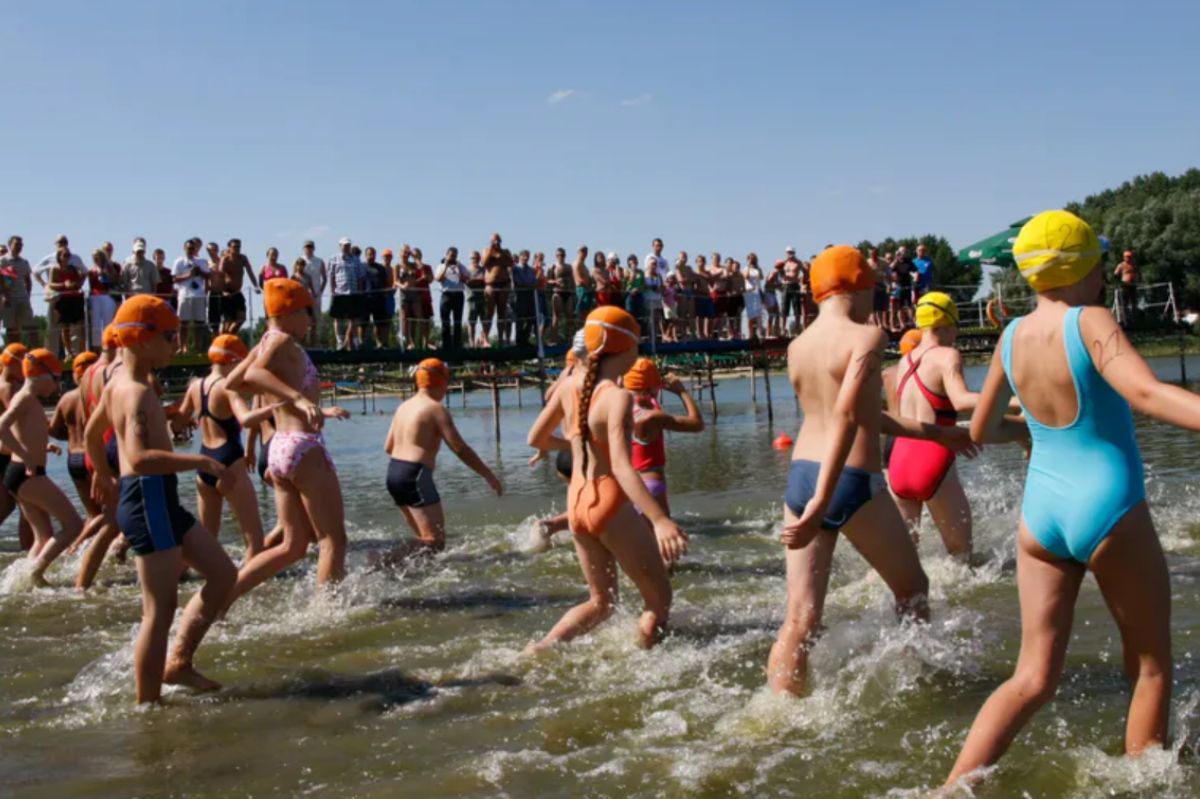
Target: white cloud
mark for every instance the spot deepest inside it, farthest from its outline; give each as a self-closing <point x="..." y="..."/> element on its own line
<point x="559" y="96"/>
<point x="641" y="99"/>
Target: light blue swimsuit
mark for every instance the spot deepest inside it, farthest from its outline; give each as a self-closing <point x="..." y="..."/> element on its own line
<point x="1084" y="477"/>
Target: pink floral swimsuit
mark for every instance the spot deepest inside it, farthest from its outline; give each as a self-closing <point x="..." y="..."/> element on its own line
<point x="288" y="448"/>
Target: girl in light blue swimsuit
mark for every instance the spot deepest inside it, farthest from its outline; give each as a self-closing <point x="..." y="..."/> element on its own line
<point x="1076" y="374"/>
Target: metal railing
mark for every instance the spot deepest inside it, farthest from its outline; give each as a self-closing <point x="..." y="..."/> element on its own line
<point x="415" y="316"/>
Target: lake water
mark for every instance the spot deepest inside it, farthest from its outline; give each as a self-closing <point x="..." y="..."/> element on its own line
<point x="411" y="684"/>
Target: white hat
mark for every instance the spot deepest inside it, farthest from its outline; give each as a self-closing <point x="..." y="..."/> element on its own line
<point x="139" y="244"/>
<point x="791" y="250"/>
<point x="343" y="241"/>
<point x="612" y="256"/>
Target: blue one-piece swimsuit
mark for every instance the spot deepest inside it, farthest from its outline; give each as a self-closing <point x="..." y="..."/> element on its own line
<point x="1084" y="477"/>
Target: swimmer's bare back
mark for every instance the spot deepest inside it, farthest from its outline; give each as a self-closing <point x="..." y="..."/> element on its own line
<point x="819" y="361"/>
<point x="417" y="431"/>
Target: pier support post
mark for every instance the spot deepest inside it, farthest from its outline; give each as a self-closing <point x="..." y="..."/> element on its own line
<point x="712" y="389"/>
<point x="496" y="407"/>
<point x="767" y="382"/>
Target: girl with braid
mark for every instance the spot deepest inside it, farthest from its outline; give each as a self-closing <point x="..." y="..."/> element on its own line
<point x="605" y="488"/>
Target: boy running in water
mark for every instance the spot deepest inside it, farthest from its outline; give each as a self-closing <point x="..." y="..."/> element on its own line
<point x="418" y="429"/>
<point x="835" y="482"/>
<point x="163" y="535"/>
<point x="67" y="425"/>
<point x="11" y="378"/>
<point x="25" y="431"/>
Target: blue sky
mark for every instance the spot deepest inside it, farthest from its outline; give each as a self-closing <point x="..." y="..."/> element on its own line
<point x="730" y="126"/>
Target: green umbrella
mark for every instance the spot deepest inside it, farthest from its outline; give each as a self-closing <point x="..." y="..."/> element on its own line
<point x="995" y="250"/>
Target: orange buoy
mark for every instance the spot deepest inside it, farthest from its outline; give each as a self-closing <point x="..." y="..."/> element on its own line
<point x="782" y="441"/>
<point x="998" y="313"/>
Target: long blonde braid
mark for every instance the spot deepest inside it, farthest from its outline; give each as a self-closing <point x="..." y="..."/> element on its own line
<point x="585" y="402"/>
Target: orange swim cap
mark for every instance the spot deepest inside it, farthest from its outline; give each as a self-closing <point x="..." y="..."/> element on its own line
<point x="282" y="295"/>
<point x="110" y="340"/>
<point x="387" y="253"/>
<point x="643" y="376"/>
<point x="840" y="270"/>
<point x="41" y="362"/>
<point x="13" y="353"/>
<point x="909" y="341"/>
<point x="432" y="372"/>
<point x="140" y="318"/>
<point x="81" y="362"/>
<point x="609" y="329"/>
<point x="227" y="348"/>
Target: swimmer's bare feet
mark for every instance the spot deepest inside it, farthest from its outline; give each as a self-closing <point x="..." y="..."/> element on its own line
<point x="188" y="677"/>
<point x="39" y="580"/>
<point x="544" y="536"/>
<point x="536" y="648"/>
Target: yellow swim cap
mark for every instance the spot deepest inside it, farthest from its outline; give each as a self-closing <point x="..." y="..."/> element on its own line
<point x="936" y="309"/>
<point x="1055" y="249"/>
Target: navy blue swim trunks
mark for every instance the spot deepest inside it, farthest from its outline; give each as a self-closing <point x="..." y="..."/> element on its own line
<point x="149" y="514"/>
<point x="855" y="488"/>
<point x="411" y="484"/>
<point x="77" y="466"/>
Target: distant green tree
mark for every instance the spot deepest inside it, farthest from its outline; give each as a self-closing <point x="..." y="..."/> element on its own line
<point x="947" y="271"/>
<point x="1158" y="218"/>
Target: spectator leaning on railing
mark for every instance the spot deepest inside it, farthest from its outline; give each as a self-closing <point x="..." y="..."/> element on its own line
<point x="139" y="275"/>
<point x="452" y="276"/>
<point x="524" y="282"/>
<point x="103" y="278"/>
<point x="345" y="272"/>
<point x="41" y="273"/>
<point x="923" y="281"/>
<point x="313" y="277"/>
<point x="191" y="273"/>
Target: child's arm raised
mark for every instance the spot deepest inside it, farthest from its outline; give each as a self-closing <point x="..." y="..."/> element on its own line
<point x="692" y="422"/>
<point x="1119" y="363"/>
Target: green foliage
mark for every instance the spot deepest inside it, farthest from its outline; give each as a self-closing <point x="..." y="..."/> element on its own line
<point x="947" y="271"/>
<point x="1158" y="217"/>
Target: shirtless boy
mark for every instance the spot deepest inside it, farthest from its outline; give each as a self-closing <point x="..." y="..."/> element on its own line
<point x="11" y="378"/>
<point x="67" y="425"/>
<point x="835" y="484"/>
<point x="418" y="429"/>
<point x="163" y="535"/>
<point x="25" y="431"/>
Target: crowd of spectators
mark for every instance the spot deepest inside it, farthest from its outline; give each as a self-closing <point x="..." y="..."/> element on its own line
<point x="380" y="299"/>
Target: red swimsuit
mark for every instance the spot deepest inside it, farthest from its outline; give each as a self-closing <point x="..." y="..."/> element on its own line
<point x="916" y="468"/>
